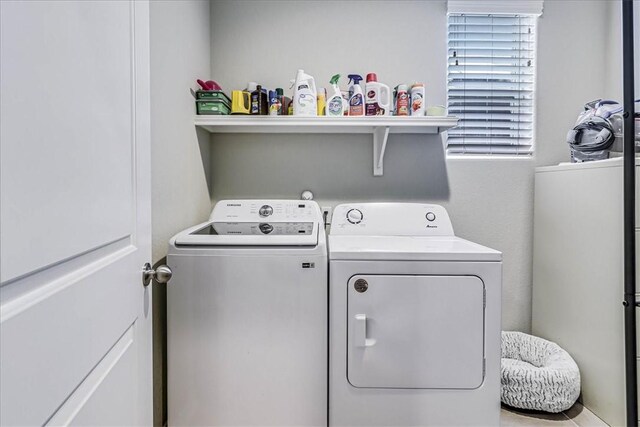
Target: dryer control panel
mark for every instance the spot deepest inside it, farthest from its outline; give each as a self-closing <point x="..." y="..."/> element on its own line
<point x="391" y="219"/>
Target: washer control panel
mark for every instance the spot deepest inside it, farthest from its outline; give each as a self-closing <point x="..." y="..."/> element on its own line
<point x="267" y="211"/>
<point x="391" y="219"/>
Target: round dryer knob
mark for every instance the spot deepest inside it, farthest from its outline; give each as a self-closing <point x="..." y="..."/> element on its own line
<point x="354" y="216"/>
<point x="265" y="210"/>
<point x="431" y="216"/>
<point x="265" y="228"/>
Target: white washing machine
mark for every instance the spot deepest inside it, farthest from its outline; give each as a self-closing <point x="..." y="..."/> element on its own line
<point x="414" y="320"/>
<point x="247" y="317"/>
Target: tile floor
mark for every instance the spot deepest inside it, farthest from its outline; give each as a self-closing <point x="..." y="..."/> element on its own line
<point x="577" y="415"/>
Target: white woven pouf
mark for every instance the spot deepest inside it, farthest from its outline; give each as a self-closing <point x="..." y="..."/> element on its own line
<point x="537" y="374"/>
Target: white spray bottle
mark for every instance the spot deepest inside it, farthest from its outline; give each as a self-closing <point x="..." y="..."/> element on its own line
<point x="356" y="97"/>
<point x="305" y="95"/>
<point x="335" y="102"/>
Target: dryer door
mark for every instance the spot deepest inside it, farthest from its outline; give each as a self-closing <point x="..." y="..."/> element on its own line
<point x="415" y="331"/>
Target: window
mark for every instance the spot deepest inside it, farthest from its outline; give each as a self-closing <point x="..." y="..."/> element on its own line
<point x="491" y="83"/>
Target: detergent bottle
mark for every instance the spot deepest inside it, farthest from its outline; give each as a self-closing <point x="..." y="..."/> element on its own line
<point x="356" y="97"/>
<point x="304" y="95"/>
<point x="335" y="102"/>
<point x="378" y="97"/>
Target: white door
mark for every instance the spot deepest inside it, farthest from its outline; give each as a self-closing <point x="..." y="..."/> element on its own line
<point x="75" y="329"/>
<point x="415" y="331"/>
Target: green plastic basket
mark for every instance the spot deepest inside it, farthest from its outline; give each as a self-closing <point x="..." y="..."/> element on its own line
<point x="212" y="106"/>
<point x="213" y="94"/>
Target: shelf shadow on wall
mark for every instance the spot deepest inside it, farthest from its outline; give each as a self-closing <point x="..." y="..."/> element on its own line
<point x="204" y="144"/>
<point x="333" y="166"/>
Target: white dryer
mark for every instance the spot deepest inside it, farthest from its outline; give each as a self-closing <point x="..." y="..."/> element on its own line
<point x="247" y="317"/>
<point x="414" y="320"/>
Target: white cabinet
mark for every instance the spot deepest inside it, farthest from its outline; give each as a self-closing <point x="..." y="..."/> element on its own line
<point x="578" y="275"/>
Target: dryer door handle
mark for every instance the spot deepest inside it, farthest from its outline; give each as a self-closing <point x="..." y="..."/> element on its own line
<point x="360" y="332"/>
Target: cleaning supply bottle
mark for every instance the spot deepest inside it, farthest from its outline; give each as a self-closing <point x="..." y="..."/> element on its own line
<point x="283" y="102"/>
<point x="345" y="104"/>
<point x="417" y="99"/>
<point x="335" y="102"/>
<point x="289" y="104"/>
<point x="275" y="105"/>
<point x="394" y="101"/>
<point x="259" y="101"/>
<point x="305" y="95"/>
<point x="378" y="97"/>
<point x="356" y="97"/>
<point x="322" y="101"/>
<point x="251" y="86"/>
<point x="402" y="101"/>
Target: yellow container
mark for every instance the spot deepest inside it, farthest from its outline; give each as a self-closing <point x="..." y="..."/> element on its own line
<point x="240" y="102"/>
<point x="321" y="102"/>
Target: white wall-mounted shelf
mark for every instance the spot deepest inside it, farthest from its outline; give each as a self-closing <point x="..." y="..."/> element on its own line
<point x="379" y="127"/>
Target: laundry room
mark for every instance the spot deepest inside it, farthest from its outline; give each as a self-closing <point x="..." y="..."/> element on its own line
<point x="461" y="254"/>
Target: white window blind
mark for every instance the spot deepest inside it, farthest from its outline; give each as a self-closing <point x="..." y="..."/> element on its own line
<point x="491" y="83"/>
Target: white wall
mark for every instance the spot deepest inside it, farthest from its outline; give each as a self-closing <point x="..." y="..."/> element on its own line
<point x="572" y="70"/>
<point x="613" y="46"/>
<point x="180" y="53"/>
<point x="489" y="200"/>
<point x="614" y="50"/>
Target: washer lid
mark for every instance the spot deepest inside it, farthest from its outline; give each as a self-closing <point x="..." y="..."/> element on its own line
<point x="409" y="248"/>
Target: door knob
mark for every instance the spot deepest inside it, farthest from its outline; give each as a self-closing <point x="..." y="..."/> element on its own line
<point x="162" y="274"/>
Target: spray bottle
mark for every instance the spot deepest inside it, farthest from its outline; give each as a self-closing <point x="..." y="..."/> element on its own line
<point x="304" y="95"/>
<point x="356" y="97"/>
<point x="335" y="101"/>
